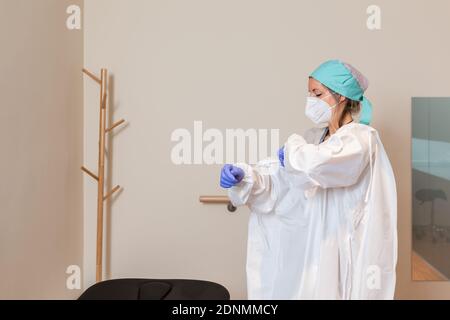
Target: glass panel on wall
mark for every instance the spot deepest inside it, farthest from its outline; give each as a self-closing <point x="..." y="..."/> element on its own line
<point x="431" y="188"/>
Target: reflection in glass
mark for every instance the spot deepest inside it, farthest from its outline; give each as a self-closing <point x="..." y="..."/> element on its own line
<point x="431" y="188"/>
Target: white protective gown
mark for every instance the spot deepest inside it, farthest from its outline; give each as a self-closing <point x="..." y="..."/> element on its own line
<point x="325" y="225"/>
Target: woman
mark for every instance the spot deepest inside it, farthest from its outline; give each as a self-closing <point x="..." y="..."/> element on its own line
<point x="323" y="221"/>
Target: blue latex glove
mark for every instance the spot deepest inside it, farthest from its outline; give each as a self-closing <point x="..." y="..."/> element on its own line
<point x="231" y="176"/>
<point x="281" y="156"/>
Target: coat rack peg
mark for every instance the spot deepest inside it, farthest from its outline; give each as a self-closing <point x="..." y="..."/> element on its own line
<point x="118" y="123"/>
<point x="111" y="192"/>
<point x="92" y="76"/>
<point x="89" y="173"/>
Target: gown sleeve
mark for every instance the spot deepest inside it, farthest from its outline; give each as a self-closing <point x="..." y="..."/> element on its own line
<point x="337" y="162"/>
<point x="259" y="189"/>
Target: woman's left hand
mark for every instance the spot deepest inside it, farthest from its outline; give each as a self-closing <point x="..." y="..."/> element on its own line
<point x="281" y="156"/>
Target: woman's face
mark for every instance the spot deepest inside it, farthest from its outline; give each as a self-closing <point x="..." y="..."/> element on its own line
<point x="316" y="89"/>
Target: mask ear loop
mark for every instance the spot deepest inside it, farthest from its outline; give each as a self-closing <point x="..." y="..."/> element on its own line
<point x="334" y="94"/>
<point x="330" y="93"/>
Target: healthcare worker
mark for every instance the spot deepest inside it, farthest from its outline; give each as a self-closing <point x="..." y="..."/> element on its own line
<point x="323" y="222"/>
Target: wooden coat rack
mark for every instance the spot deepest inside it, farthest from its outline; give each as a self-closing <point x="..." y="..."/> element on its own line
<point x="100" y="177"/>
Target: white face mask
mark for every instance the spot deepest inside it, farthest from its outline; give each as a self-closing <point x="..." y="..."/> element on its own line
<point x="318" y="110"/>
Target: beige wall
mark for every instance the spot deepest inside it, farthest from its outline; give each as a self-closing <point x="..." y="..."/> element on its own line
<point x="41" y="137"/>
<point x="238" y="64"/>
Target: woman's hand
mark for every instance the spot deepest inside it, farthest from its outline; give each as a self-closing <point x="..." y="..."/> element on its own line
<point x="281" y="156"/>
<point x="231" y="176"/>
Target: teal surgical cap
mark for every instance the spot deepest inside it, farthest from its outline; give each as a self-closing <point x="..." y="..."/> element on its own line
<point x="345" y="80"/>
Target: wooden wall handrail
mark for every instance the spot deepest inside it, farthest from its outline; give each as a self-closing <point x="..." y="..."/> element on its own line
<point x="218" y="200"/>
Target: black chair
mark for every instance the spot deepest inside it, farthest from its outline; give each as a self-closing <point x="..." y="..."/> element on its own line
<point x="155" y="289"/>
